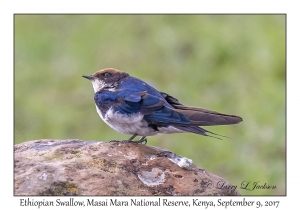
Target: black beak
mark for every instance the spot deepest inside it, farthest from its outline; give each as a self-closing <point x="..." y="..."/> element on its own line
<point x="89" y="77"/>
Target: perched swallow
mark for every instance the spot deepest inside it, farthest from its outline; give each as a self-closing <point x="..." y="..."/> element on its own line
<point x="131" y="106"/>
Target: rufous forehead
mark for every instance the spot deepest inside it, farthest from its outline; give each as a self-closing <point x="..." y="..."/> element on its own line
<point x="109" y="70"/>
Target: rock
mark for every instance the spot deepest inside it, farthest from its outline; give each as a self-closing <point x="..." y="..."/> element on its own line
<point x="75" y="167"/>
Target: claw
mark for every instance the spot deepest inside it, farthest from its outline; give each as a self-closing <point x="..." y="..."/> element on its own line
<point x="111" y="141"/>
<point x="119" y="141"/>
<point x="145" y="140"/>
<point x="125" y="141"/>
<point x="141" y="140"/>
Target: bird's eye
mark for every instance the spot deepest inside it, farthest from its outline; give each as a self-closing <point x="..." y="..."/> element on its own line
<point x="106" y="74"/>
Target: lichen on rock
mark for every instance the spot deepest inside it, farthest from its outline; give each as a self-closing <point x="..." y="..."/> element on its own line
<point x="76" y="167"/>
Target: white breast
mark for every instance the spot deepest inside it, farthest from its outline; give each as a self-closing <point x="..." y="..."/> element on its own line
<point x="128" y="124"/>
<point x="131" y="124"/>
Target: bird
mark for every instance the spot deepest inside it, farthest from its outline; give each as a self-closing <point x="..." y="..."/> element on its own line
<point x="131" y="106"/>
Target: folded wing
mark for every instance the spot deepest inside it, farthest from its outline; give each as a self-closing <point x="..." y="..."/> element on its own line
<point x="186" y="118"/>
<point x="200" y="116"/>
<point x="153" y="108"/>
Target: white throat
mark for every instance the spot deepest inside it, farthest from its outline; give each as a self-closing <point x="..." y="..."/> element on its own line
<point x="97" y="85"/>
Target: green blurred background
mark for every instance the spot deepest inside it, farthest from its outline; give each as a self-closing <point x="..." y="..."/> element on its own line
<point x="234" y="64"/>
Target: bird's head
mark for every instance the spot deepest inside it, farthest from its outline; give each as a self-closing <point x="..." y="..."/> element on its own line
<point x="108" y="78"/>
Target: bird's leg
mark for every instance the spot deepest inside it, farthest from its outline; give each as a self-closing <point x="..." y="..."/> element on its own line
<point x="141" y="140"/>
<point x="132" y="137"/>
<point x="123" y="141"/>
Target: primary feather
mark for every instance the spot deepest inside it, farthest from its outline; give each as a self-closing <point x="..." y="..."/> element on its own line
<point x="200" y="116"/>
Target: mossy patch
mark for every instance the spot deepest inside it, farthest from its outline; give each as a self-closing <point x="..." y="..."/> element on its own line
<point x="78" y="155"/>
<point x="108" y="166"/>
<point x="61" y="188"/>
<point x="56" y="156"/>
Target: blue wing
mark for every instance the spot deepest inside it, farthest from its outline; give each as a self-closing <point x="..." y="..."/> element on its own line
<point x="153" y="108"/>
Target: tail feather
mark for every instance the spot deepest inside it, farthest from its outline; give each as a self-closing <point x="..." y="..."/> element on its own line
<point x="200" y="116"/>
<point x="198" y="130"/>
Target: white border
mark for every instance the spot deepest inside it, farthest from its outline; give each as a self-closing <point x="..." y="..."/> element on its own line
<point x="8" y="8"/>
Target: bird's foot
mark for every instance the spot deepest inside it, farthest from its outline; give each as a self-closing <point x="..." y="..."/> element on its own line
<point x="120" y="141"/>
<point x="117" y="141"/>
<point x="141" y="140"/>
